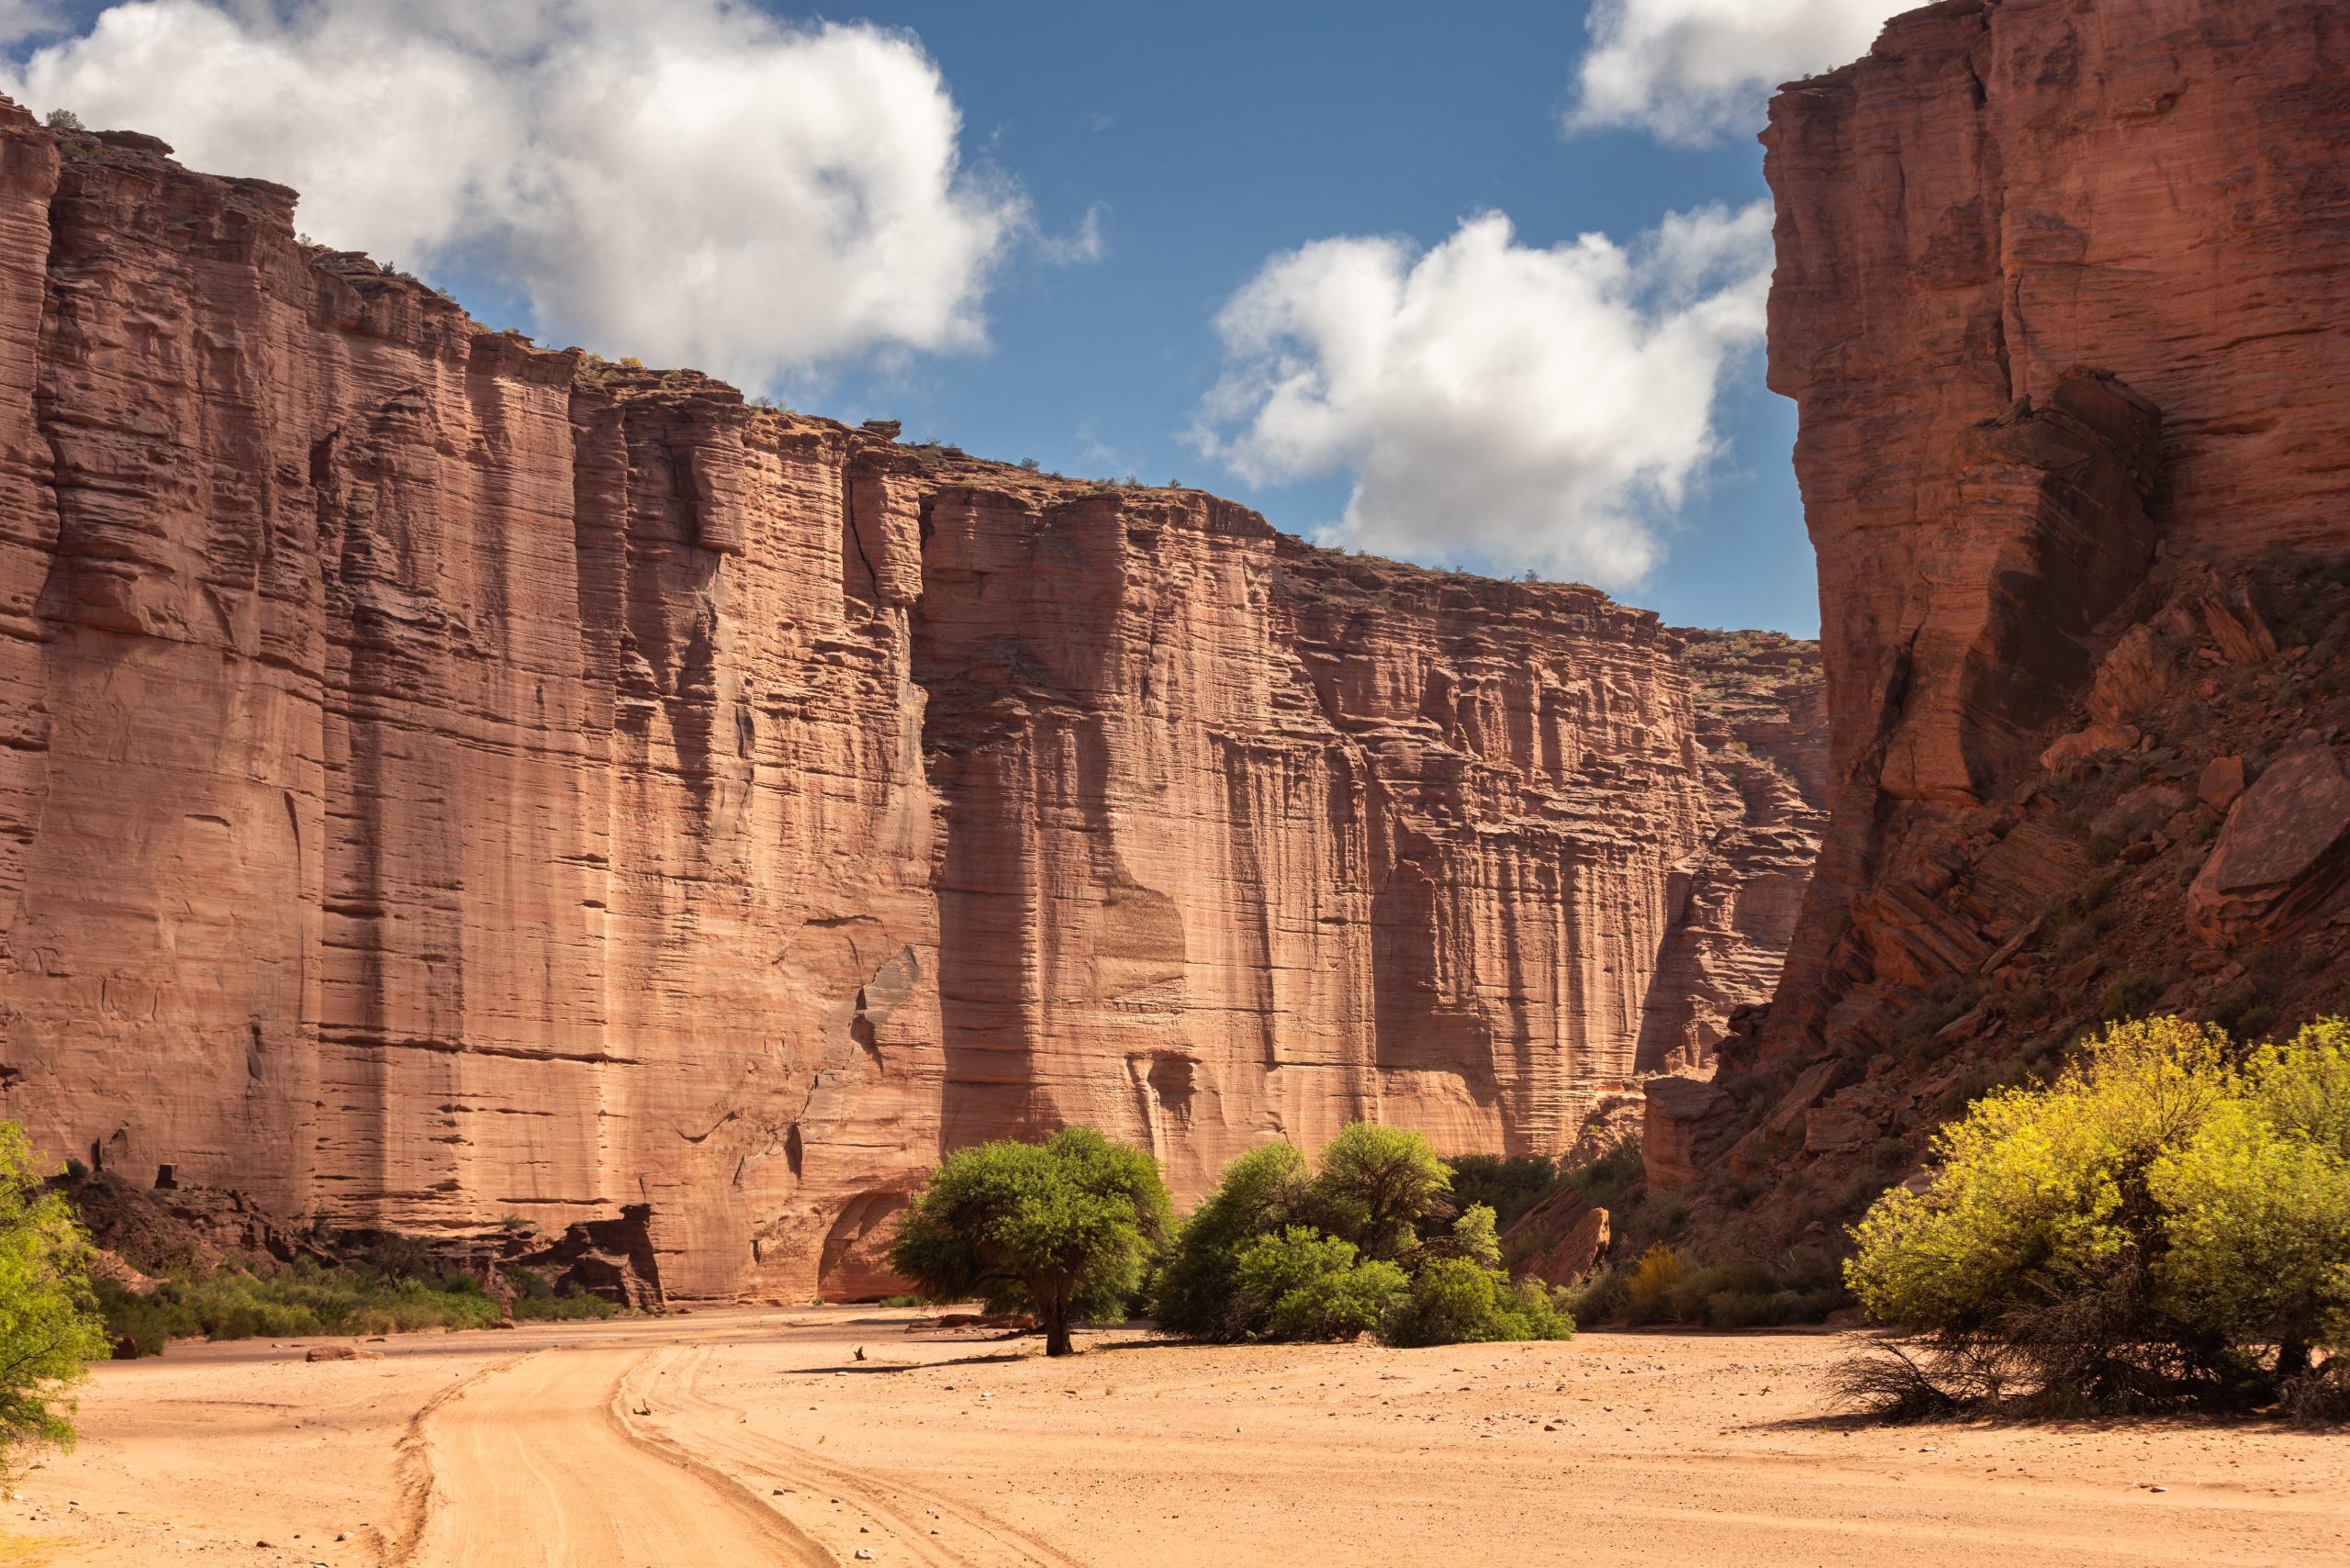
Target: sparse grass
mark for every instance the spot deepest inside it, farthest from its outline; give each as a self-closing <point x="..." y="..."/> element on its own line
<point x="1662" y="1287"/>
<point x="2130" y="993"/>
<point x="1604" y="1182"/>
<point x="1949" y="999"/>
<point x="306" y="1298"/>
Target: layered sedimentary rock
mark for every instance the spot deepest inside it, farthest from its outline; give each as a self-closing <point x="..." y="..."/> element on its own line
<point x="448" y="780"/>
<point x="2058" y="300"/>
<point x="1764" y="728"/>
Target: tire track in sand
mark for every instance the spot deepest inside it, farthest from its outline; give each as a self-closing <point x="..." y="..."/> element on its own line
<point x="930" y="1528"/>
<point x="535" y="1465"/>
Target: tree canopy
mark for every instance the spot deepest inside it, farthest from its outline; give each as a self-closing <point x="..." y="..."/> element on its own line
<point x="2168" y="1222"/>
<point x="1371" y="1243"/>
<point x="50" y="1325"/>
<point x="1063" y="1229"/>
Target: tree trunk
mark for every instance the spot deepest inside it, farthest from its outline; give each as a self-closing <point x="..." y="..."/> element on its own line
<point x="2292" y="1359"/>
<point x="1057" y="1331"/>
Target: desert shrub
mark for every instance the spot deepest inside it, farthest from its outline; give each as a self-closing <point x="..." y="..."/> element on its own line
<point x="1452" y="1301"/>
<point x="50" y="1325"/>
<point x="1913" y="1037"/>
<point x="2131" y="991"/>
<point x="1647" y="1294"/>
<point x="1770" y="1309"/>
<point x="1660" y="1214"/>
<point x="1694" y="1288"/>
<point x="307" y="1298"/>
<point x="1605" y="1180"/>
<point x="1508" y="1184"/>
<point x="1980" y="1080"/>
<point x="1599" y="1296"/>
<point x="1888" y="1155"/>
<point x="2167" y="1223"/>
<point x="1062" y="1230"/>
<point x="2026" y="1003"/>
<point x="1272" y="1266"/>
<point x="1341" y="1305"/>
<point x="1306" y="1285"/>
<point x="559" y="1306"/>
<point x="1662" y="1286"/>
<point x="1195" y="1291"/>
<point x="1274" y="1252"/>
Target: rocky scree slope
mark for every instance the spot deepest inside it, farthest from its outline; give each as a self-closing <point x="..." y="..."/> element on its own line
<point x="446" y="779"/>
<point x="2058" y="297"/>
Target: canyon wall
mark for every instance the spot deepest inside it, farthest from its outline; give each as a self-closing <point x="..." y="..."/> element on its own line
<point x="2058" y="299"/>
<point x="447" y="780"/>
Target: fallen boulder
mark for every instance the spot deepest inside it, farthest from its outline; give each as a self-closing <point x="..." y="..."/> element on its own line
<point x="1558" y="1241"/>
<point x="2283" y="854"/>
<point x="2220" y="784"/>
<point x="2095" y="741"/>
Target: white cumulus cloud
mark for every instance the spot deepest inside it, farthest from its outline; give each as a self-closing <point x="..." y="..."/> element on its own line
<point x="1494" y="402"/>
<point x="1690" y="71"/>
<point x="691" y="181"/>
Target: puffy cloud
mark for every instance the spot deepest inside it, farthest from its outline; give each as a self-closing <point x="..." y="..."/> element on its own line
<point x="689" y="181"/>
<point x="1494" y="402"/>
<point x="21" y="19"/>
<point x="1689" y="70"/>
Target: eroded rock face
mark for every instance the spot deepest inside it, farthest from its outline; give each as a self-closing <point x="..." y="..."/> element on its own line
<point x="1997" y="195"/>
<point x="2056" y="298"/>
<point x="447" y="780"/>
<point x="1686" y="1117"/>
<point x="1557" y="1241"/>
<point x="1763" y="724"/>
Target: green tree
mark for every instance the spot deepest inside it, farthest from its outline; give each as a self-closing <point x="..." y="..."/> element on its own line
<point x="1376" y="1185"/>
<point x="1275" y="1253"/>
<point x="2256" y="1205"/>
<point x="50" y="1325"/>
<point x="1062" y="1230"/>
<point x="1196" y="1291"/>
<point x="1473" y="1237"/>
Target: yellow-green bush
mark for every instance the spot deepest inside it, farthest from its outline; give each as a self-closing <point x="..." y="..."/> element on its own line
<point x="49" y="1321"/>
<point x="2168" y="1222"/>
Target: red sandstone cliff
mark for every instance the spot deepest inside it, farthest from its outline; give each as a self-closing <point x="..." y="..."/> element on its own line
<point x="2058" y="297"/>
<point x="446" y="778"/>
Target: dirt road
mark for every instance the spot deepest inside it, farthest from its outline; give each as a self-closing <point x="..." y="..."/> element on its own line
<point x="535" y="1464"/>
<point x="757" y="1437"/>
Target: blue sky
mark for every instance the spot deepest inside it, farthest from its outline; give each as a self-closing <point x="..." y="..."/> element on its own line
<point x="1049" y="280"/>
<point x="1218" y="133"/>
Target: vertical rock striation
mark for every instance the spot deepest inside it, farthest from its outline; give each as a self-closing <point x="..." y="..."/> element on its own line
<point x="447" y="778"/>
<point x="2058" y="298"/>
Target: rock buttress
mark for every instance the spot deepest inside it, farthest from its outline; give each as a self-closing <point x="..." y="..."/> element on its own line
<point x="2057" y="299"/>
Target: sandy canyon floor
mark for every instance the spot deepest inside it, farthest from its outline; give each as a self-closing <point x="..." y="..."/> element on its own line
<point x="752" y="1438"/>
